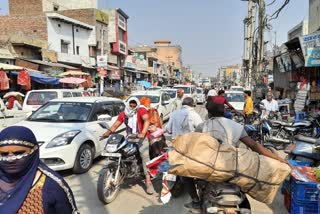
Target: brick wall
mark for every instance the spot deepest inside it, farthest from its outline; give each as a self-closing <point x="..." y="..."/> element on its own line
<point x="84" y="15"/>
<point x="26" y="64"/>
<point x="25" y="7"/>
<point x="24" y="29"/>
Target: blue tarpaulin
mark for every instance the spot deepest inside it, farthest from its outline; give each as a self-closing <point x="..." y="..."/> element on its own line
<point x="145" y="84"/>
<point x="40" y="78"/>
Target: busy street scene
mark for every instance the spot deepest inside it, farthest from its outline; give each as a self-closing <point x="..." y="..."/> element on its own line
<point x="159" y="107"/>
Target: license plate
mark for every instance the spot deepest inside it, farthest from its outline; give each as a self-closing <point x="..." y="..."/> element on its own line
<point x="111" y="147"/>
<point x="107" y="154"/>
<point x="169" y="177"/>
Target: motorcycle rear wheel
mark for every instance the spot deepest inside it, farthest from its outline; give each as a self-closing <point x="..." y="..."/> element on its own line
<point x="108" y="189"/>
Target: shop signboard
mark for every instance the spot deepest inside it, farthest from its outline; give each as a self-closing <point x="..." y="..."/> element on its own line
<point x="310" y="45"/>
<point x="115" y="74"/>
<point x="102" y="61"/>
<point x="130" y="62"/>
<point x="313" y="59"/>
<point x="102" y="72"/>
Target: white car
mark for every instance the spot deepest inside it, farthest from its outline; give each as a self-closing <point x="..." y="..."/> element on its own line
<point x="189" y="91"/>
<point x="68" y="130"/>
<point x="160" y="100"/>
<point x="172" y="93"/>
<point x="236" y="99"/>
<point x="155" y="88"/>
<point x="237" y="88"/>
<point x="201" y="98"/>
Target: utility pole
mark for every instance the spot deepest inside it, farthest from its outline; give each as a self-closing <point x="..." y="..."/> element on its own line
<point x="102" y="53"/>
<point x="260" y="40"/>
<point x="249" y="28"/>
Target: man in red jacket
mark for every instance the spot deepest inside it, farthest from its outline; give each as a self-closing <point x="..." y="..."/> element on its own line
<point x="220" y="99"/>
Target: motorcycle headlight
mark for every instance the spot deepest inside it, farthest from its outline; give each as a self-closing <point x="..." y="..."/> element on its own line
<point x="63" y="139"/>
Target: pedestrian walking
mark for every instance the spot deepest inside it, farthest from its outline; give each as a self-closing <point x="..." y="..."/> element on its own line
<point x="184" y="120"/>
<point x="178" y="101"/>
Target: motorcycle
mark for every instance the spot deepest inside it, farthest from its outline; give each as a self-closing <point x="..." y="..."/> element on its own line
<point x="305" y="149"/>
<point x="123" y="161"/>
<point x="222" y="198"/>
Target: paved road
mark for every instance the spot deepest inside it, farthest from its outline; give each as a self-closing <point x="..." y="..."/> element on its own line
<point x="133" y="200"/>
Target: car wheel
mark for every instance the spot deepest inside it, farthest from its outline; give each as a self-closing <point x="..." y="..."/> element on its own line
<point x="84" y="159"/>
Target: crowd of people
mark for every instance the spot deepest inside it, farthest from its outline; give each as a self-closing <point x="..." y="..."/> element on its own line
<point x="27" y="182"/>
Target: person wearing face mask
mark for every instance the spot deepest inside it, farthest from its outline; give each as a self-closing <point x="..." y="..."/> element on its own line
<point x="26" y="184"/>
<point x="136" y="119"/>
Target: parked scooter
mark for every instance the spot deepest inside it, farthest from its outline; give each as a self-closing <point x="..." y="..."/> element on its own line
<point x="123" y="161"/>
<point x="222" y="198"/>
<point x="305" y="149"/>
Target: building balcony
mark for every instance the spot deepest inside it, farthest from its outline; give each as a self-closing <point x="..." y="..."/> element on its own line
<point x="69" y="58"/>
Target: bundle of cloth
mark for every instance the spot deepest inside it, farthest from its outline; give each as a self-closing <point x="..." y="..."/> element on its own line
<point x="200" y="156"/>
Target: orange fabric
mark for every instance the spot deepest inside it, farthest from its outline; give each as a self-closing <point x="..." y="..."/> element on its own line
<point x="154" y="118"/>
<point x="145" y="101"/>
<point x="24" y="79"/>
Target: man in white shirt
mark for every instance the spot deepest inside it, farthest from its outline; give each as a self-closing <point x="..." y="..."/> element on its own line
<point x="212" y="93"/>
<point x="184" y="120"/>
<point x="178" y="101"/>
<point x="270" y="104"/>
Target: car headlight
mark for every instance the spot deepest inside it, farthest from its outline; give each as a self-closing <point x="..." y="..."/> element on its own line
<point x="63" y="139"/>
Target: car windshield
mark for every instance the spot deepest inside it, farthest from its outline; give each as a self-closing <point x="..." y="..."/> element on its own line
<point x="172" y="94"/>
<point x="199" y="91"/>
<point x="236" y="89"/>
<point x="154" y="89"/>
<point x="153" y="98"/>
<point x="41" y="97"/>
<point x="235" y="97"/>
<point x="187" y="90"/>
<point x="62" y="112"/>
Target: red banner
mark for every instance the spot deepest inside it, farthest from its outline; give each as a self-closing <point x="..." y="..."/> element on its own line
<point x="4" y="81"/>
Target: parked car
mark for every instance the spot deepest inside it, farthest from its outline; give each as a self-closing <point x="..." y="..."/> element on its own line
<point x="155" y="88"/>
<point x="172" y="93"/>
<point x="160" y="100"/>
<point x="201" y="97"/>
<point x="236" y="99"/>
<point x="68" y="130"/>
<point x="36" y="98"/>
<point x="236" y="88"/>
<point x="189" y="91"/>
<point x="10" y="117"/>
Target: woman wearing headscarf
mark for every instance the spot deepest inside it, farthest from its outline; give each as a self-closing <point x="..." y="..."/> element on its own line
<point x="26" y="184"/>
<point x="136" y="119"/>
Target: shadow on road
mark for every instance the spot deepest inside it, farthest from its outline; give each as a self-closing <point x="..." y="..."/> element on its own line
<point x="84" y="187"/>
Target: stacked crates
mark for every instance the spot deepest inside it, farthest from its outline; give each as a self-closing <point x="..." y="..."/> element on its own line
<point x="301" y="197"/>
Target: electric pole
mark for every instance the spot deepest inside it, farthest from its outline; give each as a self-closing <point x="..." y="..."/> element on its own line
<point x="260" y="40"/>
<point x="249" y="28"/>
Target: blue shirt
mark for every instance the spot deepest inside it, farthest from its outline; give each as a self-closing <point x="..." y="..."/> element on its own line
<point x="183" y="121"/>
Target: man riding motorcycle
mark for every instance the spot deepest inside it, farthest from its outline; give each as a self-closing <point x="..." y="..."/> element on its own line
<point x="225" y="131"/>
<point x="137" y="121"/>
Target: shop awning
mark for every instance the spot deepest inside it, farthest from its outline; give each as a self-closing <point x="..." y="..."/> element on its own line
<point x="142" y="72"/>
<point x="51" y="64"/>
<point x="40" y="78"/>
<point x="8" y="67"/>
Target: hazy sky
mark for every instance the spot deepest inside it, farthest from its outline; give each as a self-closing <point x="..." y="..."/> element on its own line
<point x="209" y="31"/>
